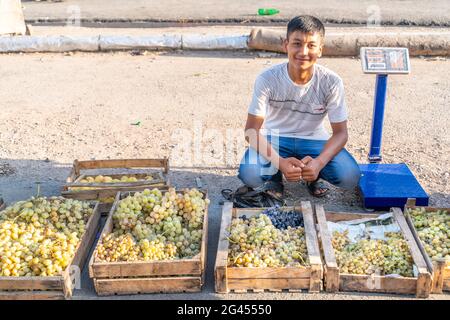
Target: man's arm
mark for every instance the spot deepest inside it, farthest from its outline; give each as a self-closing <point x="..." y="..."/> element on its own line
<point x="333" y="146"/>
<point x="290" y="167"/>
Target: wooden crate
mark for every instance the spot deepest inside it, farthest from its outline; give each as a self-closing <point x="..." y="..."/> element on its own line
<point x="167" y="276"/>
<point x="245" y="279"/>
<point x="53" y="287"/>
<point x="334" y="280"/>
<point x="440" y="268"/>
<point x="109" y="190"/>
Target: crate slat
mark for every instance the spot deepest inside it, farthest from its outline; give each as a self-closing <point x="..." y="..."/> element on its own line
<point x="31" y="283"/>
<point x="147" y="285"/>
<point x="336" y="281"/>
<point x="380" y="284"/>
<point x="143" y="268"/>
<point x="268" y="273"/>
<point x="312" y="245"/>
<point x="269" y="284"/>
<point x="120" y="163"/>
<point x="32" y="295"/>
<point x="241" y="279"/>
<point x="331" y="270"/>
<point x="222" y="250"/>
<point x="158" y="179"/>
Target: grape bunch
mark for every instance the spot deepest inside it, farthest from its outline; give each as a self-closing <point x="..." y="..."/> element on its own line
<point x="256" y="242"/>
<point x="433" y="229"/>
<point x="118" y="248"/>
<point x="156" y="225"/>
<point x="108" y="179"/>
<point x="39" y="236"/>
<point x="371" y="256"/>
<point x="282" y="219"/>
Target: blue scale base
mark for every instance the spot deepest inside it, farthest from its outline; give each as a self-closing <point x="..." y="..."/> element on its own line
<point x="389" y="185"/>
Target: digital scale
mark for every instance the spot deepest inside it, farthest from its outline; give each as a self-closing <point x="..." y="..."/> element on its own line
<point x="386" y="185"/>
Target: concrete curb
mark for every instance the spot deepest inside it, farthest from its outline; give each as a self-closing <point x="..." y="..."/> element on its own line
<point x="115" y="43"/>
<point x="336" y="44"/>
<point x="211" y="42"/>
<point x="48" y="44"/>
<point x="348" y="44"/>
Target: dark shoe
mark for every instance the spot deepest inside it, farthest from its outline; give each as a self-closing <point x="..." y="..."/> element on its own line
<point x="317" y="188"/>
<point x="269" y="194"/>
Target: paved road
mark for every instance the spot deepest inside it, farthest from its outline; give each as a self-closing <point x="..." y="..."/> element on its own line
<point x="397" y="12"/>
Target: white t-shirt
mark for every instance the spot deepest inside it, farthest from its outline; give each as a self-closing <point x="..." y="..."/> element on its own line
<point x="293" y="110"/>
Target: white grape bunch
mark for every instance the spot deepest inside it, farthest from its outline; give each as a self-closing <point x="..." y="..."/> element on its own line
<point x="433" y="229"/>
<point x="156" y="225"/>
<point x="100" y="179"/>
<point x="39" y="236"/>
<point x="371" y="256"/>
<point x="256" y="242"/>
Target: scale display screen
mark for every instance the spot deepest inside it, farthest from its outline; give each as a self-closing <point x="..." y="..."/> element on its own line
<point x="385" y="60"/>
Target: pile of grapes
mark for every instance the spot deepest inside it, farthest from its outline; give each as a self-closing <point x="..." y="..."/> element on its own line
<point x="38" y="237"/>
<point x="284" y="219"/>
<point x="108" y="179"/>
<point x="370" y="256"/>
<point x="155" y="225"/>
<point x="433" y="229"/>
<point x="274" y="238"/>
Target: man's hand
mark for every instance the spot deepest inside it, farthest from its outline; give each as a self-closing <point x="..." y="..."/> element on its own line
<point x="291" y="168"/>
<point x="312" y="168"/>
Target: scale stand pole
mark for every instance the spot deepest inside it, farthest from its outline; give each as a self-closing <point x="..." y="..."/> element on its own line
<point x="378" y="116"/>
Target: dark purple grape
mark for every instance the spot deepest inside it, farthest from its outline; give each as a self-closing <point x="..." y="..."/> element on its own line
<point x="282" y="219"/>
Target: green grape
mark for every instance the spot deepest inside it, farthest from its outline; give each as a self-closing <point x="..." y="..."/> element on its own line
<point x="370" y="256"/>
<point x="38" y="236"/>
<point x="255" y="242"/>
<point x="433" y="229"/>
<point x="157" y="225"/>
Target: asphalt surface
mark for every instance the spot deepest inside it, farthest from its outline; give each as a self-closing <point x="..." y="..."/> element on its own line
<point x="392" y="12"/>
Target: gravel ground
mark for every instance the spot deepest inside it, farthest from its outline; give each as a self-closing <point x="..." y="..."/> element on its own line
<point x="61" y="107"/>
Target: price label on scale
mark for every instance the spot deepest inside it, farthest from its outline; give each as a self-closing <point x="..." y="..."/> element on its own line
<point x="385" y="60"/>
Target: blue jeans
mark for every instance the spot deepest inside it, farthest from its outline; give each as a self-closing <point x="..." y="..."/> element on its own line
<point x="342" y="171"/>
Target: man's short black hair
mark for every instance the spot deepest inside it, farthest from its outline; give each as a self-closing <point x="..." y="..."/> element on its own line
<point x="306" y="24"/>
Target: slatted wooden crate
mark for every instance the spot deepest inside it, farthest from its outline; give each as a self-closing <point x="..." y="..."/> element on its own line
<point x="439" y="268"/>
<point x="103" y="191"/>
<point x="167" y="276"/>
<point x="253" y="279"/>
<point x="335" y="280"/>
<point x="53" y="287"/>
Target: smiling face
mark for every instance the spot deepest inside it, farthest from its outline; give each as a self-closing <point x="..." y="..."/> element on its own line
<point x="303" y="49"/>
